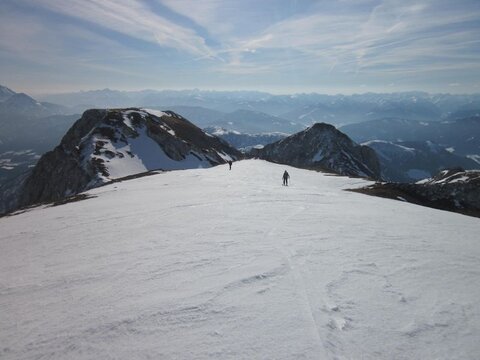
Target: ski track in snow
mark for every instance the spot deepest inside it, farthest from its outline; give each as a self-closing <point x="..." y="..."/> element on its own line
<point x="219" y="264"/>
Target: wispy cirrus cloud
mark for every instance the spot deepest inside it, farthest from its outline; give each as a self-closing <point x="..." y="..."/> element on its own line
<point x="392" y="34"/>
<point x="32" y="39"/>
<point x="206" y="13"/>
<point x="132" y="18"/>
<point x="59" y="56"/>
<point x="227" y="19"/>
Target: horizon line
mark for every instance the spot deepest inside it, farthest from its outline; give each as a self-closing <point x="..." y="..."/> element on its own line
<point x="273" y="93"/>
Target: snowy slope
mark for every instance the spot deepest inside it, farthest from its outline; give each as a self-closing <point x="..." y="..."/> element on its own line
<point x="219" y="264"/>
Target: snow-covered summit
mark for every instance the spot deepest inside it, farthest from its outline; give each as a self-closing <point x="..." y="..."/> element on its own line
<point x="219" y="264"/>
<point x="323" y="147"/>
<point x="105" y="145"/>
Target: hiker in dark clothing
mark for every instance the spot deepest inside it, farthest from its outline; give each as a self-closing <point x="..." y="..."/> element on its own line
<point x="230" y="164"/>
<point x="286" y="176"/>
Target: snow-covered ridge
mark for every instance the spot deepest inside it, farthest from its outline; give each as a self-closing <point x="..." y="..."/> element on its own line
<point x="219" y="264"/>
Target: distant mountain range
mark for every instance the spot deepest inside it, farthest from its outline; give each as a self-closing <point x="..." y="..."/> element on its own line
<point x="244" y="121"/>
<point x="12" y="103"/>
<point x="28" y="128"/>
<point x="245" y="141"/>
<point x="255" y="122"/>
<point x="200" y="116"/>
<point x="410" y="161"/>
<point x="26" y="123"/>
<point x="304" y="109"/>
<point x="459" y="136"/>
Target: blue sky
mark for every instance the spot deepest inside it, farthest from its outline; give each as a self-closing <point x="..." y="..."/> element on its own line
<point x="280" y="46"/>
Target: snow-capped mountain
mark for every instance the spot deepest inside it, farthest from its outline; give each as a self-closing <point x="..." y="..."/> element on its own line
<point x="323" y="147"/>
<point x="105" y="145"/>
<point x="452" y="189"/>
<point x="410" y="161"/>
<point x="216" y="264"/>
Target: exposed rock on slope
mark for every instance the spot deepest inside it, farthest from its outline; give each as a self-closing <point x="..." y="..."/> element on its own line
<point x="323" y="147"/>
<point x="454" y="190"/>
<point x="109" y="144"/>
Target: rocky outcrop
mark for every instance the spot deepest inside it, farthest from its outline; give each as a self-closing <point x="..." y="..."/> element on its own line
<point x="453" y="190"/>
<point x="105" y="145"/>
<point x="323" y="147"/>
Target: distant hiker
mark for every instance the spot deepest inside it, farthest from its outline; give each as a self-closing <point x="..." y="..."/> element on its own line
<point x="230" y="164"/>
<point x="286" y="176"/>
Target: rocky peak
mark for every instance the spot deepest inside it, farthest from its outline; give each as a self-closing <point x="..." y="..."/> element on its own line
<point x="323" y="147"/>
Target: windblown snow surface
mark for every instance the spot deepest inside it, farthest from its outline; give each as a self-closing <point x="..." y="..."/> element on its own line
<point x="219" y="264"/>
